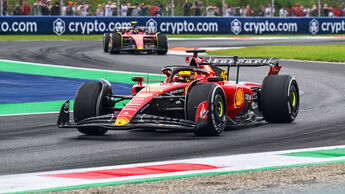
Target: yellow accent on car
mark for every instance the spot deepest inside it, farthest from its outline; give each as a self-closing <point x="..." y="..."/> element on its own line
<point x="185" y="73"/>
<point x="224" y="75"/>
<point x="239" y="97"/>
<point x="157" y="38"/>
<point x="121" y="121"/>
<point x="140" y="47"/>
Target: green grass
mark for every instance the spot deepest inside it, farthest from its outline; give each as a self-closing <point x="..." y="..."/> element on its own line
<point x="331" y="53"/>
<point x="99" y="37"/>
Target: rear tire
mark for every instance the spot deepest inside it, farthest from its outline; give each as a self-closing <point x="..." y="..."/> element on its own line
<point x="279" y="98"/>
<point x="106" y="40"/>
<point x="215" y="122"/>
<point x="162" y="44"/>
<point x="115" y="43"/>
<point x="85" y="106"/>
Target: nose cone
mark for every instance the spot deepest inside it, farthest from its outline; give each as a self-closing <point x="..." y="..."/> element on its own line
<point x="139" y="41"/>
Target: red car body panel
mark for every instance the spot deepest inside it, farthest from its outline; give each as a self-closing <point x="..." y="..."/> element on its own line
<point x="229" y="88"/>
<point x="143" y="97"/>
<point x="138" y="38"/>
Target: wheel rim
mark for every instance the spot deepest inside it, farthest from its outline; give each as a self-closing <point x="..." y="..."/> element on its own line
<point x="294" y="100"/>
<point x="219" y="109"/>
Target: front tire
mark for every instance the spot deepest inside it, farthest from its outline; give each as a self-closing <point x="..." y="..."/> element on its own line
<point x="115" y="43"/>
<point x="85" y="105"/>
<point x="162" y="44"/>
<point x="213" y="121"/>
<point x="279" y="99"/>
<point x="106" y="40"/>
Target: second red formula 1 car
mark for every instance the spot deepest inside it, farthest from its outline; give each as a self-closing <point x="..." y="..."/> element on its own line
<point x="135" y="39"/>
<point x="196" y="97"/>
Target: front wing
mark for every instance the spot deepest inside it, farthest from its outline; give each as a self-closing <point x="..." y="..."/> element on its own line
<point x="108" y="121"/>
<point x="135" y="48"/>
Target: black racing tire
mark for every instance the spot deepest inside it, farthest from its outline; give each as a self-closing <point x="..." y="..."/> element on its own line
<point x="85" y="106"/>
<point x="217" y="109"/>
<point x="279" y="98"/>
<point x="106" y="40"/>
<point x="115" y="43"/>
<point x="162" y="44"/>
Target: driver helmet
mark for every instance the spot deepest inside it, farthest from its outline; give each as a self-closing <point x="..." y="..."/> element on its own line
<point x="186" y="76"/>
<point x="134" y="29"/>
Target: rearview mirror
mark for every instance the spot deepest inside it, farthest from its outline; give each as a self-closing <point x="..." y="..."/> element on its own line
<point x="215" y="79"/>
<point x="138" y="79"/>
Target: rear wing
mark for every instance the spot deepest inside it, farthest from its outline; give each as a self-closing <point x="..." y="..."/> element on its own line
<point x="238" y="62"/>
<point x="126" y="28"/>
<point x="242" y="61"/>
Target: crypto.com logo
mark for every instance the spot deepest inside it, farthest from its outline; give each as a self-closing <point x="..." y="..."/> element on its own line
<point x="59" y="26"/>
<point x="151" y="26"/>
<point x="314" y="26"/>
<point x="236" y="27"/>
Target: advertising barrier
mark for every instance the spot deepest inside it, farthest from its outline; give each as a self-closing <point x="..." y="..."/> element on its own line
<point x="172" y="25"/>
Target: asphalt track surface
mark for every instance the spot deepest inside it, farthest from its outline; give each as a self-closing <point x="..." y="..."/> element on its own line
<point x="33" y="143"/>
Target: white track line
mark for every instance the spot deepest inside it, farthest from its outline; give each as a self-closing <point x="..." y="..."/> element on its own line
<point x="72" y="67"/>
<point x="25" y="114"/>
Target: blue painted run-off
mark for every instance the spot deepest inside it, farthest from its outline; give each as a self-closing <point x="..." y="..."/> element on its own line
<point x="21" y="88"/>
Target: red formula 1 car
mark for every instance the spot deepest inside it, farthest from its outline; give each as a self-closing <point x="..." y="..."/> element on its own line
<point x="194" y="97"/>
<point x="135" y="39"/>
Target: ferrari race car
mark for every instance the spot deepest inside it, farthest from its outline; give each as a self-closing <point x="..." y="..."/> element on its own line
<point x="135" y="39"/>
<point x="196" y="97"/>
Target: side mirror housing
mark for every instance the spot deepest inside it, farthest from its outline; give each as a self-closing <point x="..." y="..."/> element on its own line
<point x="138" y="79"/>
<point x="215" y="79"/>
